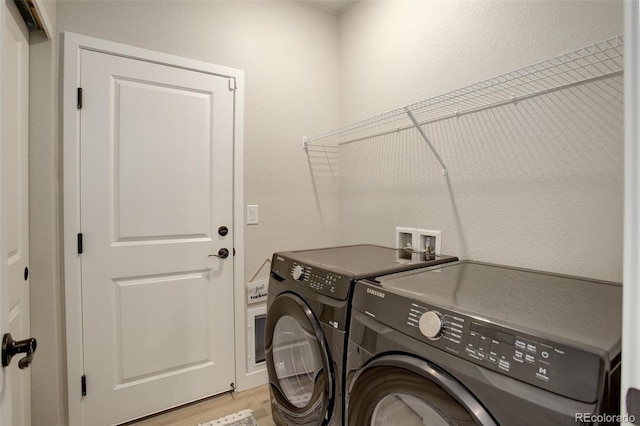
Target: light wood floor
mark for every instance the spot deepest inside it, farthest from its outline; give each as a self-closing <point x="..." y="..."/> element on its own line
<point x="256" y="399"/>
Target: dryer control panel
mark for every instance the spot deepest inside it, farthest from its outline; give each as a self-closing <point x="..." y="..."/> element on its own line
<point x="318" y="280"/>
<point x="551" y="365"/>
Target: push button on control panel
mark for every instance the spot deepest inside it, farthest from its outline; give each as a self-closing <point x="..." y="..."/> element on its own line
<point x="504" y="365"/>
<point x="518" y="356"/>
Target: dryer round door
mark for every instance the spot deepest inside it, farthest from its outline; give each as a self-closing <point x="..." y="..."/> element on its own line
<point x="298" y="362"/>
<point x="403" y="391"/>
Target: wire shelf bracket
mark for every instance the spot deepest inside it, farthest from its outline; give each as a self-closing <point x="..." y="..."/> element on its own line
<point x="590" y="63"/>
<point x="445" y="172"/>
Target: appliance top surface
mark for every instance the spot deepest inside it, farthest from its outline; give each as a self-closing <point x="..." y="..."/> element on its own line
<point x="578" y="309"/>
<point x="365" y="260"/>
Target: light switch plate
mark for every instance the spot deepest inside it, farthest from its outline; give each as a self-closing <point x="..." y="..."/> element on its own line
<point x="252" y="214"/>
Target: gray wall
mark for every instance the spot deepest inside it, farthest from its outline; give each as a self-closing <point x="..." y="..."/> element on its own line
<point x="537" y="183"/>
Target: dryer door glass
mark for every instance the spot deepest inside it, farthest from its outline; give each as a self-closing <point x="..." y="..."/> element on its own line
<point x="297" y="360"/>
<point x="412" y="410"/>
<point x="298" y="363"/>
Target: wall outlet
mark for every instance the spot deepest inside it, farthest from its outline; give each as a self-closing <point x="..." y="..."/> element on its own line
<point x="428" y="241"/>
<point x="419" y="242"/>
<point x="404" y="239"/>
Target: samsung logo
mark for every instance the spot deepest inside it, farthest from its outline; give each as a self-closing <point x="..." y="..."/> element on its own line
<point x="375" y="293"/>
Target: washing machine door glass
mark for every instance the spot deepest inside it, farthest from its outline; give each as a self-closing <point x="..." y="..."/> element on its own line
<point x="297" y="360"/>
<point x="398" y="408"/>
<point x="405" y="391"/>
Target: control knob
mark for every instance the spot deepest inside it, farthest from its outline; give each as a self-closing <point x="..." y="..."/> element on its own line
<point x="431" y="324"/>
<point x="298" y="273"/>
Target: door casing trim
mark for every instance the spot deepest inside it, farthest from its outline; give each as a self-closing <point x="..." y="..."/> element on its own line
<point x="73" y="44"/>
<point x="5" y="397"/>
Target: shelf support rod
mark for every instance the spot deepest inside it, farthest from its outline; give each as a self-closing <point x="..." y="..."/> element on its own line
<point x="445" y="172"/>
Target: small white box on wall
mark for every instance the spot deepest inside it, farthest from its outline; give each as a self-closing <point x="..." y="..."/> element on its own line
<point x="257" y="291"/>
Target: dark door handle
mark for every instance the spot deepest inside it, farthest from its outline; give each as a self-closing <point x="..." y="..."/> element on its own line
<point x="223" y="253"/>
<point x="11" y="347"/>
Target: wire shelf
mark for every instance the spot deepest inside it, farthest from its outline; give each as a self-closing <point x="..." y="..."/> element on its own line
<point x="593" y="62"/>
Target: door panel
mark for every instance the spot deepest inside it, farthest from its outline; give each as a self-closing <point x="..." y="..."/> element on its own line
<point x="156" y="183"/>
<point x="15" y="193"/>
<point x="142" y="327"/>
<point x="155" y="199"/>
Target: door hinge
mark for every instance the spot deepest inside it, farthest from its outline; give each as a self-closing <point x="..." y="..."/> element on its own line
<point x="83" y="383"/>
<point x="80" y="243"/>
<point x="79" y="97"/>
<point x="232" y="84"/>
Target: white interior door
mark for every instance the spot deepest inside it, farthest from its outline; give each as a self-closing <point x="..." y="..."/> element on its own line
<point x="15" y="196"/>
<point x="156" y="186"/>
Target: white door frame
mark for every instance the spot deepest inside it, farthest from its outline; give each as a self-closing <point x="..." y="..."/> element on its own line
<point x="5" y="395"/>
<point x="631" y="289"/>
<point x="73" y="44"/>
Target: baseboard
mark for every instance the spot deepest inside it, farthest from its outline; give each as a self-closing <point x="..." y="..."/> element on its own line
<point x="257" y="378"/>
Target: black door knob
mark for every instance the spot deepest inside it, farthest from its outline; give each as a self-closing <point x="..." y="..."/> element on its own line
<point x="11" y="347"/>
<point x="223" y="230"/>
<point x="223" y="253"/>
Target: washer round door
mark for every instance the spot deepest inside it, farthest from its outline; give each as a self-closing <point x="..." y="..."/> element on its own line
<point x="298" y="363"/>
<point x="404" y="391"/>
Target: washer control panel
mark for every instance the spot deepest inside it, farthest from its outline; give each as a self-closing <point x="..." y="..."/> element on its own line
<point x="319" y="280"/>
<point x="550" y="365"/>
